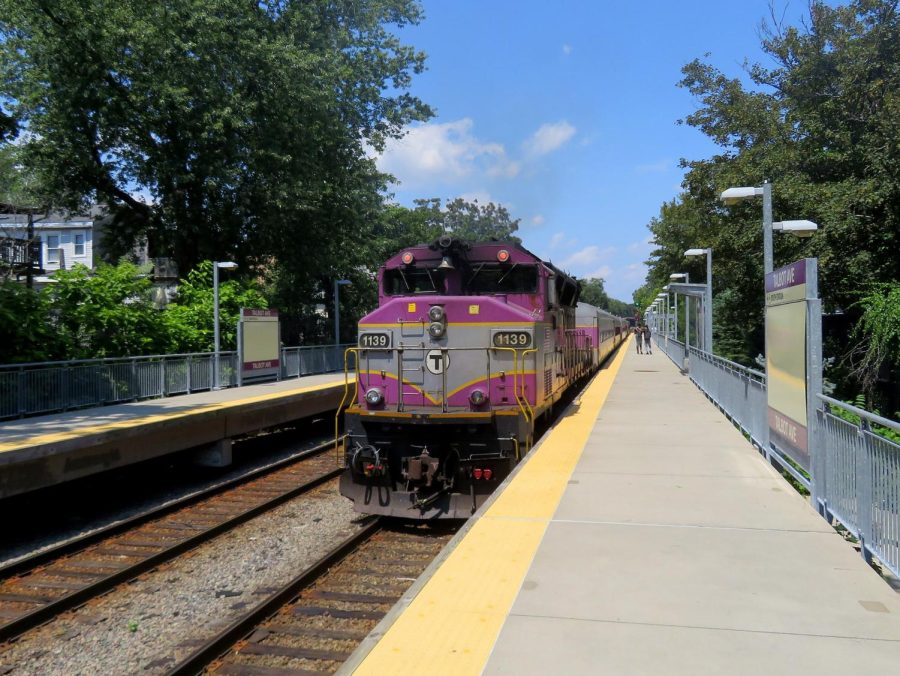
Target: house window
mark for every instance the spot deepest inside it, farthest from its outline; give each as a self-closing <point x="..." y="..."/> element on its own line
<point x="53" y="252"/>
<point x="79" y="245"/>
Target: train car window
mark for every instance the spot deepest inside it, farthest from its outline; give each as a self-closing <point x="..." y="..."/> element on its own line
<point x="493" y="278"/>
<point x="410" y="280"/>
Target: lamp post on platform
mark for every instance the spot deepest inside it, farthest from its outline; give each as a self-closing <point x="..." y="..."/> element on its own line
<point x="338" y="283"/>
<point x="217" y="265"/>
<point x="707" y="315"/>
<point x="675" y="276"/>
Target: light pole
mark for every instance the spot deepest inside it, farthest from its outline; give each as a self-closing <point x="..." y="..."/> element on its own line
<point x="707" y="316"/>
<point x="224" y="265"/>
<point x="668" y="312"/>
<point x="735" y="195"/>
<point x="675" y="276"/>
<point x="338" y="283"/>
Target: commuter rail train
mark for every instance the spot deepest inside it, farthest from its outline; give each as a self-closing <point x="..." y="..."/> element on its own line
<point x="469" y="346"/>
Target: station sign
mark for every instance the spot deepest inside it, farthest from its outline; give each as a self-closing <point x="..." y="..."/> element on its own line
<point x="259" y="344"/>
<point x="789" y="290"/>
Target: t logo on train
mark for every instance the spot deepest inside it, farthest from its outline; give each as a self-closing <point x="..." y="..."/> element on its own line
<point x="469" y="346"/>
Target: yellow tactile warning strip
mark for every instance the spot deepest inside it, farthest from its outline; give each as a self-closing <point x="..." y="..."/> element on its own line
<point x="452" y="624"/>
<point x="75" y="432"/>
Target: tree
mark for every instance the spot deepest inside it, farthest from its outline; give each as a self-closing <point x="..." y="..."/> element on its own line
<point x="188" y="320"/>
<point x="26" y="335"/>
<point x="823" y="123"/>
<point x="220" y="128"/>
<point x="593" y="293"/>
<point x="466" y="220"/>
<point x="107" y="312"/>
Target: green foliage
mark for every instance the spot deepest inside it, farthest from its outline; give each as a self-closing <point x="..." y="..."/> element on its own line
<point x="188" y="319"/>
<point x="878" y="331"/>
<point x="25" y="333"/>
<point x="466" y="220"/>
<point x="823" y="124"/>
<point x="104" y="313"/>
<point x="111" y="313"/>
<point x="645" y="295"/>
<point x="860" y="403"/>
<point x="593" y="293"/>
<point x="246" y="123"/>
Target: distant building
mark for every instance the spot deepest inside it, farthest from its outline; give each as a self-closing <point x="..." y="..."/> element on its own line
<point x="60" y="241"/>
<point x="63" y="240"/>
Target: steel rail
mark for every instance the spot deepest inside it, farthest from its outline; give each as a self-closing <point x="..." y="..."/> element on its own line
<point x="81" y="542"/>
<point x="47" y="612"/>
<point x="219" y="644"/>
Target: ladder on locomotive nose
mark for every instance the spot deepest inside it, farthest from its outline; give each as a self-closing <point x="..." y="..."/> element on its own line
<point x="411" y="362"/>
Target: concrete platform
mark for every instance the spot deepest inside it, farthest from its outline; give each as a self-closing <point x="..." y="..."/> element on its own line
<point x="644" y="535"/>
<point x="43" y="451"/>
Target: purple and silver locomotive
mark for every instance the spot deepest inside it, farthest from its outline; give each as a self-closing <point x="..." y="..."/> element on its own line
<point x="469" y="346"/>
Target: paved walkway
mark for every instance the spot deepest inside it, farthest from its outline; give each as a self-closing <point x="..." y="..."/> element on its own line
<point x="645" y="536"/>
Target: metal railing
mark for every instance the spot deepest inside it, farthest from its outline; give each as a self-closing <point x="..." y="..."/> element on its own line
<point x="50" y="387"/>
<point x="739" y="391"/>
<point x="856" y="471"/>
<point x="859" y="480"/>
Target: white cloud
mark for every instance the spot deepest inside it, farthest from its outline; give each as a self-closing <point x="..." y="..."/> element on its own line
<point x="549" y="137"/>
<point x="538" y="220"/>
<point x="446" y="151"/>
<point x="480" y="196"/>
<point x="567" y="49"/>
<point x="587" y="257"/>
<point x="635" y="272"/>
<point x="645" y="246"/>
<point x="603" y="272"/>
<point x="659" y="167"/>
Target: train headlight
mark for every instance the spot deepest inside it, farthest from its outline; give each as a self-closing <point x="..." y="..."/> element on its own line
<point x="374" y="396"/>
<point x="436" y="313"/>
<point x="477" y="397"/>
<point x="436" y="329"/>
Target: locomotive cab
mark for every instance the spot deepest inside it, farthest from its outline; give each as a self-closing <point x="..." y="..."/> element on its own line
<point x="468" y="345"/>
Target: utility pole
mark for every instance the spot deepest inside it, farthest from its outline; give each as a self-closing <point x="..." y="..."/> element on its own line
<point x="29" y="264"/>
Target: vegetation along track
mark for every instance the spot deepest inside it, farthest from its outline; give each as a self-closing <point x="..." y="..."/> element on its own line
<point x="313" y="623"/>
<point x="40" y="587"/>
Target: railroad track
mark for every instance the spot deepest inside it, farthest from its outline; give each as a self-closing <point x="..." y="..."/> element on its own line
<point x="313" y="623"/>
<point x="40" y="587"/>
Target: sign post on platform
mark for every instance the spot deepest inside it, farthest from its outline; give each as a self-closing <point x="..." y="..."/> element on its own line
<point x="793" y="361"/>
<point x="259" y="345"/>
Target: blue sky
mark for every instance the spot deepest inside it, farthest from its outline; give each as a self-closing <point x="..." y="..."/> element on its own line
<point x="565" y="112"/>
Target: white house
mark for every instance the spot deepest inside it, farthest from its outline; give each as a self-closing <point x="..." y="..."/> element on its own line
<point x="65" y="240"/>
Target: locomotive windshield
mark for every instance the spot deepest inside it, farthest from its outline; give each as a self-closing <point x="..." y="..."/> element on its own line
<point x="401" y="282"/>
<point x="486" y="278"/>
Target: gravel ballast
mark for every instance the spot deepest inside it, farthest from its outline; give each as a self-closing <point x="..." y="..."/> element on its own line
<point x="148" y="625"/>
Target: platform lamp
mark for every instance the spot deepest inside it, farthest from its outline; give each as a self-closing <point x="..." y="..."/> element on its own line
<point x="662" y="307"/>
<point x="707" y="316"/>
<point x="338" y="283"/>
<point x="217" y="265"/>
<point x="799" y="228"/>
<point x="675" y="276"/>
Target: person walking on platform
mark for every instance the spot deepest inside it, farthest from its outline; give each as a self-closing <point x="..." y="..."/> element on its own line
<point x="638" y="338"/>
<point x="647" y="345"/>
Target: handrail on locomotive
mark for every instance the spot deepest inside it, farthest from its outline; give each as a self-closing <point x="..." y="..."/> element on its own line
<point x="519" y="385"/>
